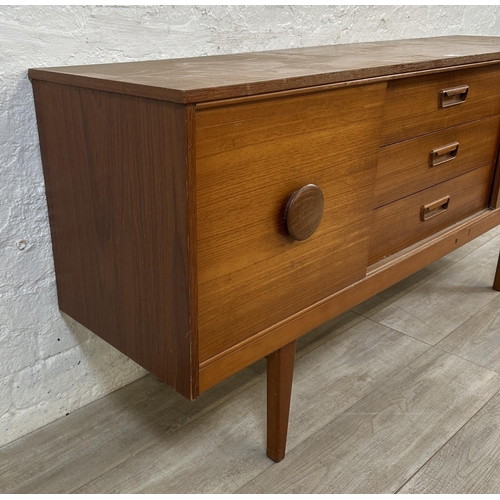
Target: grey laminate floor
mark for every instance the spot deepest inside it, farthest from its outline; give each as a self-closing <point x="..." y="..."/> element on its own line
<point x="401" y="394"/>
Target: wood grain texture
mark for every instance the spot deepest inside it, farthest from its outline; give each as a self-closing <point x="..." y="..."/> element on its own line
<point x="72" y="451"/>
<point x="220" y="77"/>
<point x="399" y="224"/>
<point x="412" y="105"/>
<point x="404" y="168"/>
<point x="190" y="152"/>
<point x="381" y="300"/>
<point x="390" y="295"/>
<point x="209" y="456"/>
<point x="137" y="428"/>
<point x="439" y="306"/>
<point x="280" y="365"/>
<point x="115" y="173"/>
<point x="477" y="339"/>
<point x="80" y="445"/>
<point x="256" y="156"/>
<point x="379" y="277"/>
<point x="67" y="454"/>
<point x="382" y="440"/>
<point x="468" y="463"/>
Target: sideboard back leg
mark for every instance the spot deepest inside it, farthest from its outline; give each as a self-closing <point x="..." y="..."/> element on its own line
<point x="279" y="390"/>
<point x="496" y="283"/>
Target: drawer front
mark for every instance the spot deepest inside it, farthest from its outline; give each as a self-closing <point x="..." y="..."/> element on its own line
<point x="410" y="166"/>
<point x="416" y="106"/>
<point x="404" y="222"/>
<point x="250" y="159"/>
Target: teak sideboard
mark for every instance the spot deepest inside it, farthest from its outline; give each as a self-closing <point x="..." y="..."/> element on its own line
<point x="207" y="212"/>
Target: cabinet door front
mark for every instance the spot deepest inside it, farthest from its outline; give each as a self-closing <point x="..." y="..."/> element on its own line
<point x="284" y="197"/>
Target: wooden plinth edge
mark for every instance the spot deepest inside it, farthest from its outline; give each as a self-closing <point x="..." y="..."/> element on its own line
<point x="379" y="277"/>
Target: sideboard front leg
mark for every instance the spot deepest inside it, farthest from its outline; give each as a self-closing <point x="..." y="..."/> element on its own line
<point x="279" y="390"/>
<point x="496" y="283"/>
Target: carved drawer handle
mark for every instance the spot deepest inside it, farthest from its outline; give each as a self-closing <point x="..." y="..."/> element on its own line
<point x="304" y="211"/>
<point x="443" y="154"/>
<point x="434" y="208"/>
<point x="453" y="96"/>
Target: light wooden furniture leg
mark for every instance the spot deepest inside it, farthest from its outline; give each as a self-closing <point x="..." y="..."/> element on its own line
<point x="279" y="390"/>
<point x="496" y="283"/>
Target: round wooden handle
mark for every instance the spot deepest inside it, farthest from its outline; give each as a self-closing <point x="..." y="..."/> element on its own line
<point x="304" y="211"/>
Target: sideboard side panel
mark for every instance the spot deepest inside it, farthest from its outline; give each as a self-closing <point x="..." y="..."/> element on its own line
<point x="115" y="170"/>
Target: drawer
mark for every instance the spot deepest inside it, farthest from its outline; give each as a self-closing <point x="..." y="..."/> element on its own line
<point x="416" y="106"/>
<point x="404" y="222"/>
<point x="250" y="159"/>
<point x="410" y="166"/>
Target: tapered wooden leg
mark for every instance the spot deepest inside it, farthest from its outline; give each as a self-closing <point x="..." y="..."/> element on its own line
<point x="496" y="283"/>
<point x="279" y="391"/>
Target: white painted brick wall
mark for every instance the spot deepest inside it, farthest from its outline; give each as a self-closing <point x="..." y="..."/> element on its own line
<point x="49" y="365"/>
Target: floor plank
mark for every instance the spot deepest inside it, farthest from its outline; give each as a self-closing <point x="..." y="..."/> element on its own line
<point x="440" y="305"/>
<point x="381" y="441"/>
<point x="395" y="292"/>
<point x="478" y="339"/>
<point x="326" y="332"/>
<point x="72" y="451"/>
<point x="469" y="462"/>
<point x="225" y="448"/>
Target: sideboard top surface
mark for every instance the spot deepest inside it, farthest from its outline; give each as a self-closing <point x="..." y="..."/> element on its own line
<point x="209" y="78"/>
